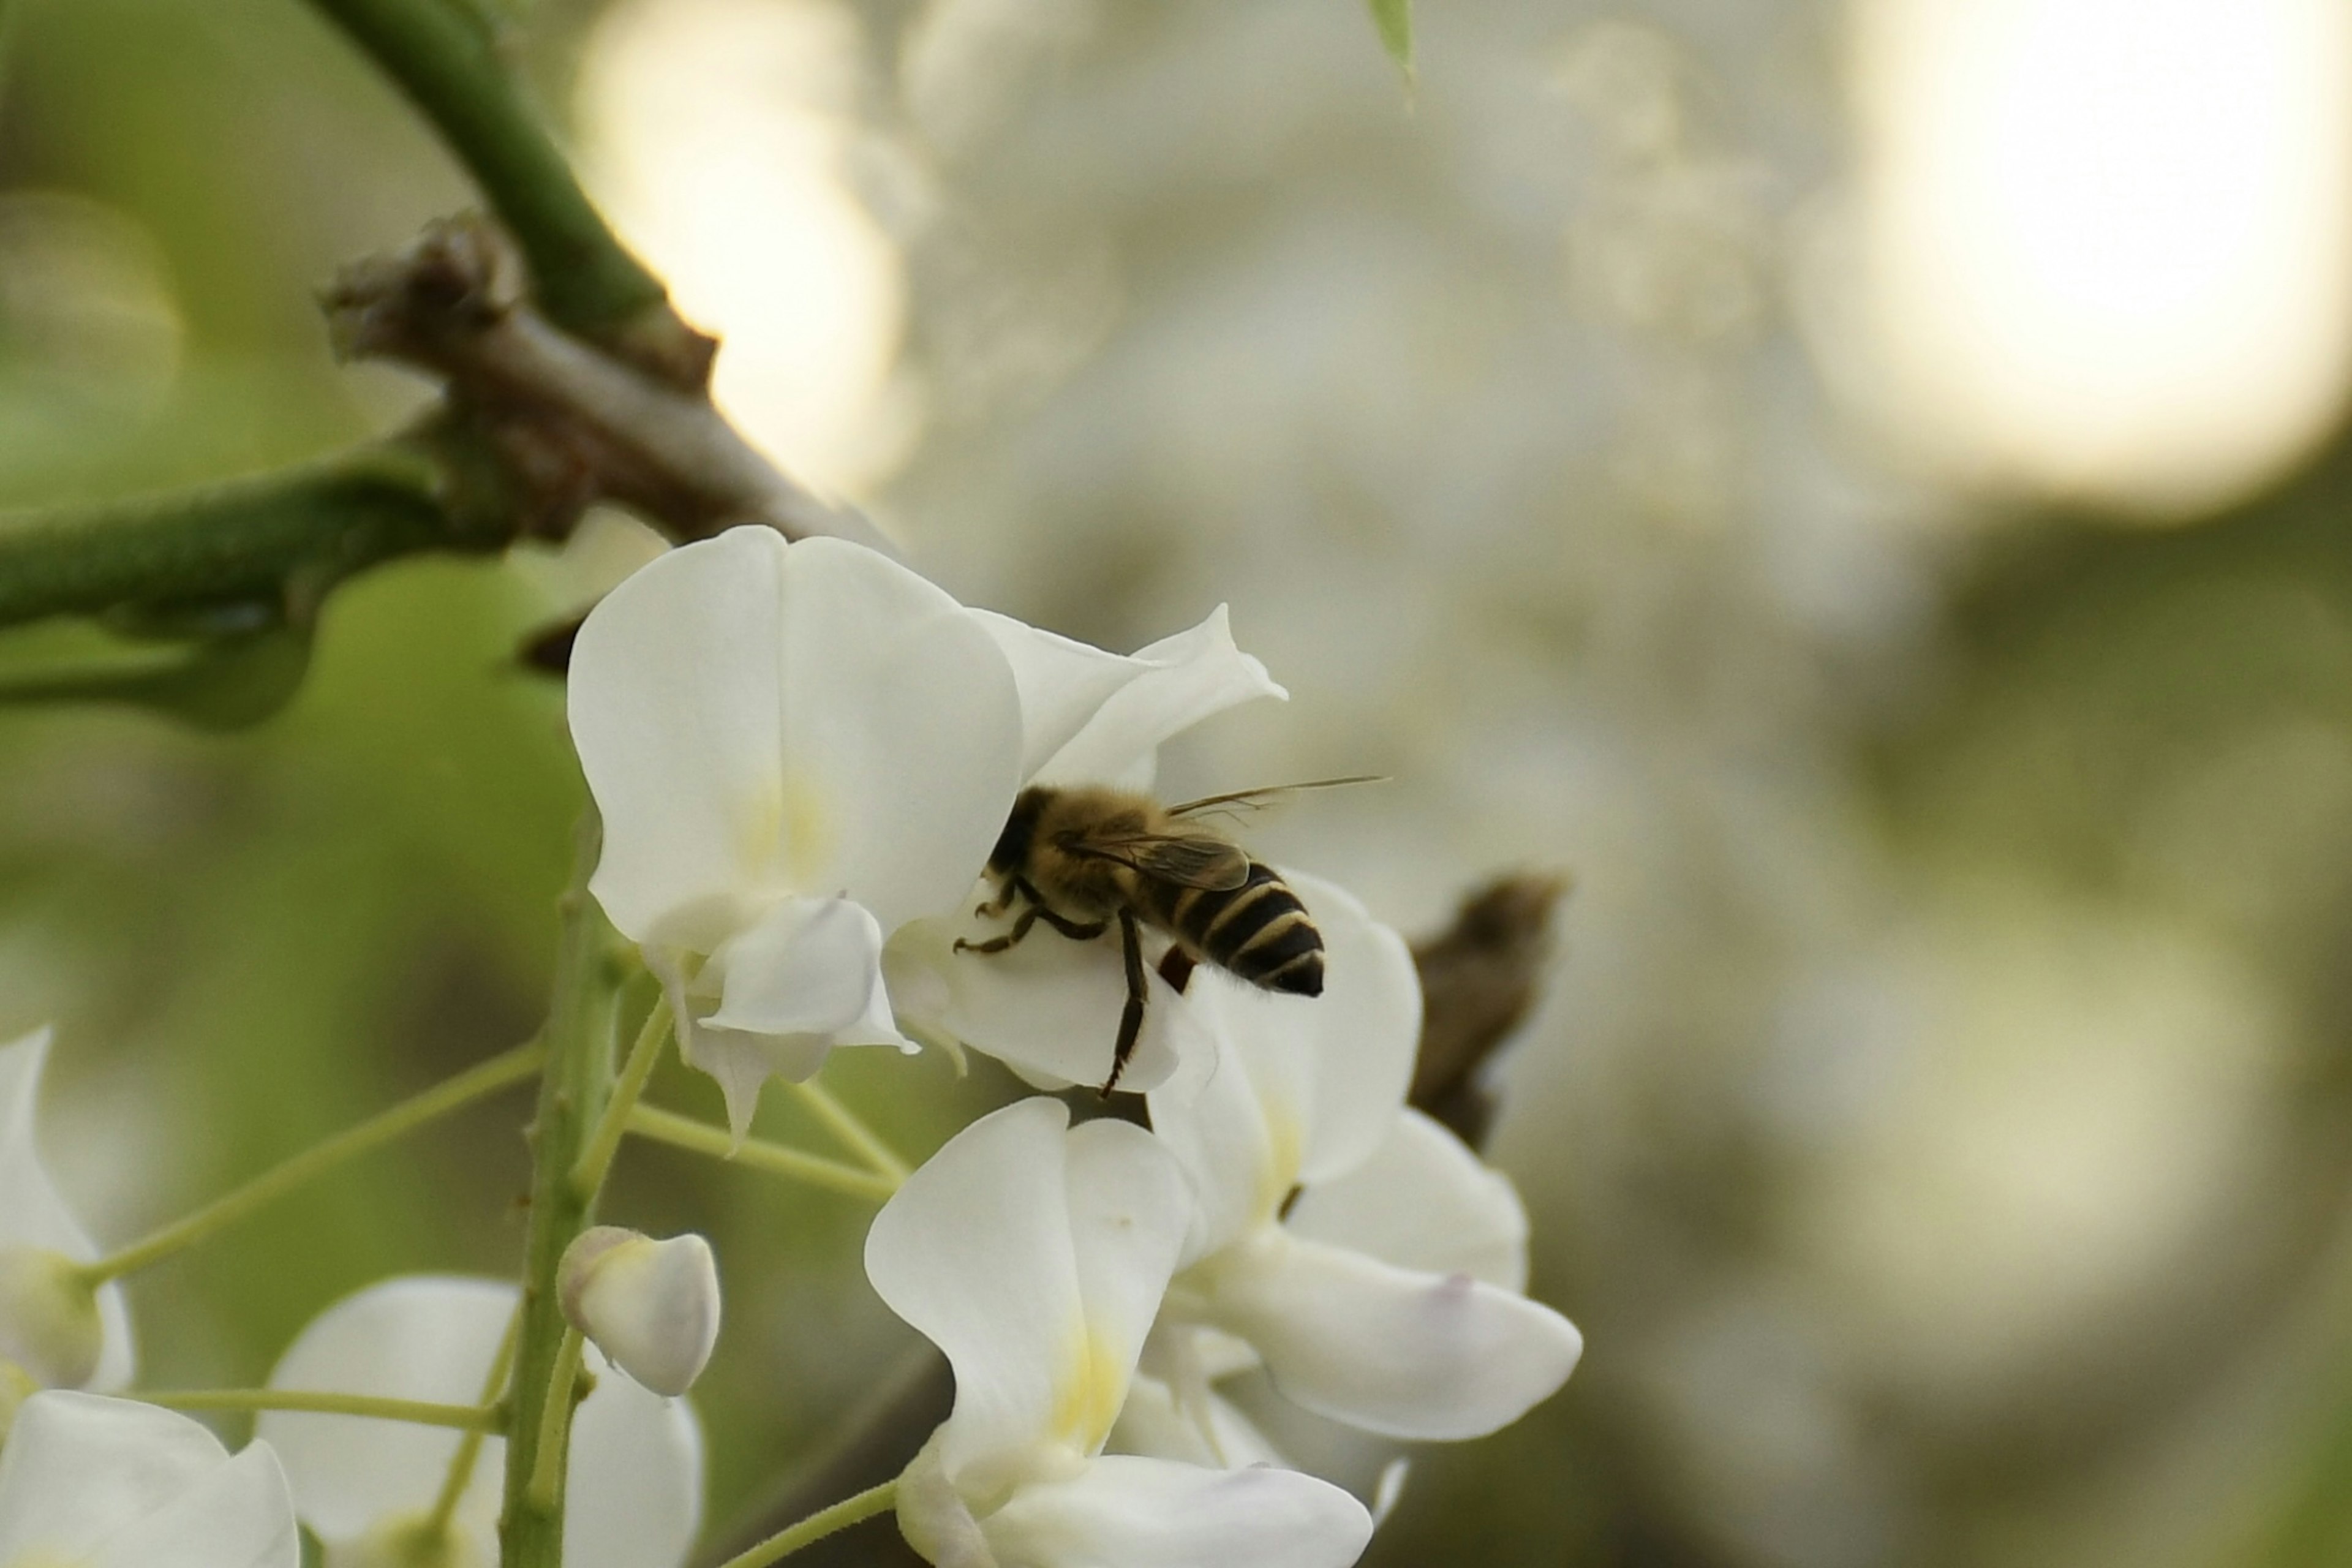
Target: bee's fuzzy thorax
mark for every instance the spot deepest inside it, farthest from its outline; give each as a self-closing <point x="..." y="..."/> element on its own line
<point x="1019" y="828"/>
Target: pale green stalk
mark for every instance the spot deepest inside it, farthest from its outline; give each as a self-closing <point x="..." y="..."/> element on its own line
<point x="851" y="1129"/>
<point x="644" y="1056"/>
<point x="579" y="1074"/>
<point x="817" y="1526"/>
<point x="477" y="1418"/>
<point x="546" y="1476"/>
<point x="775" y="1159"/>
<point x="488" y="1077"/>
<point x="470" y="1448"/>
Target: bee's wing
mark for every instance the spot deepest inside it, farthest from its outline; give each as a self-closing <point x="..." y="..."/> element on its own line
<point x="1251" y="799"/>
<point x="1194" y="860"/>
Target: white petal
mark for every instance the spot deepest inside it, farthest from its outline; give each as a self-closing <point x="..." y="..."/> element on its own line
<point x="1128" y="1215"/>
<point x="652" y="1307"/>
<point x="1239" y="1148"/>
<point x="1423" y="1201"/>
<point x="31" y="1212"/>
<point x="744" y="1063"/>
<point x="633" y="1496"/>
<point x="1390" y="1349"/>
<point x="902" y="735"/>
<point x="1062" y="684"/>
<point x="804" y="979"/>
<point x="1365" y="1027"/>
<point x="1149" y="1513"/>
<point x="1183" y="679"/>
<point x="112" y="1483"/>
<point x="1049" y="1009"/>
<point x="419" y="1337"/>
<point x="1300" y="1088"/>
<point x="974" y="1252"/>
<point x="676" y="701"/>
<point x="239" y="1516"/>
<point x="933" y="1516"/>
<point x="810" y="966"/>
<point x="757" y="718"/>
<point x="1195" y="1426"/>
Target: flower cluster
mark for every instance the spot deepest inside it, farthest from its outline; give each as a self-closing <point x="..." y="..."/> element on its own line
<point x="804" y="755"/>
<point x="807" y="762"/>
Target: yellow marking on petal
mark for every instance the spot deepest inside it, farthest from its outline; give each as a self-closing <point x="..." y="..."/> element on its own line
<point x="1088" y="1395"/>
<point x="810" y="832"/>
<point x="760" y="833"/>
<point x="789" y="829"/>
<point x="1286" y="1138"/>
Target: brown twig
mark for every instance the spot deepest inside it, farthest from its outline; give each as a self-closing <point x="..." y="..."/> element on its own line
<point x="575" y="423"/>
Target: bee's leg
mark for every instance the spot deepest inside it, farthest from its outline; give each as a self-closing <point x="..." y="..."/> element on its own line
<point x="1076" y="930"/>
<point x="1130" y="1018"/>
<point x="999" y="944"/>
<point x="1003" y="899"/>
<point x="1176" y="967"/>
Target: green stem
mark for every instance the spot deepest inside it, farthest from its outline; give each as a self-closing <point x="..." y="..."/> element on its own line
<point x="579" y="1074"/>
<point x="588" y="1176"/>
<point x="684" y="1132"/>
<point x="471" y="1418"/>
<point x="470" y="1448"/>
<point x="546" y="1474"/>
<point x="278" y="540"/>
<point x="852" y="1130"/>
<point x="447" y="60"/>
<point x="486" y="1078"/>
<point x="817" y="1526"/>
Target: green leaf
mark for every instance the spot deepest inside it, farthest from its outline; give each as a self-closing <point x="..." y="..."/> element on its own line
<point x="1394" y="19"/>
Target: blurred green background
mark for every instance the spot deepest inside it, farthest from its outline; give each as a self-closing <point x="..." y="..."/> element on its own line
<point x="1866" y="502"/>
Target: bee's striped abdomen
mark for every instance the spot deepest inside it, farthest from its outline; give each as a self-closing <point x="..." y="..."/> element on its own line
<point x="1258" y="931"/>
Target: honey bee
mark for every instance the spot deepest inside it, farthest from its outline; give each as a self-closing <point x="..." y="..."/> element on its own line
<point x="1082" y="859"/>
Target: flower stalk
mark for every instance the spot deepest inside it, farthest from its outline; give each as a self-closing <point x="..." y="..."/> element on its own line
<point x="759" y="1155"/>
<point x="817" y="1526"/>
<point x="588" y="1176"/>
<point x="546" y="1470"/>
<point x="470" y="1448"/>
<point x="488" y="1419"/>
<point x="476" y="1082"/>
<point x="851" y="1129"/>
<point x="573" y="1089"/>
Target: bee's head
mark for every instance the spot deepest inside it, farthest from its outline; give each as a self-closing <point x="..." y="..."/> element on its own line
<point x="1013" y="845"/>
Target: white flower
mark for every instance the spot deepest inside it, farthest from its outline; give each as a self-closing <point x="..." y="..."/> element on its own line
<point x="52" y="1327"/>
<point x="1034" y="1256"/>
<point x="110" y="1483"/>
<point x="1050" y="1008"/>
<point x="1358" y="1248"/>
<point x="796" y="749"/>
<point x="366" y="1487"/>
<point x="652" y="1307"/>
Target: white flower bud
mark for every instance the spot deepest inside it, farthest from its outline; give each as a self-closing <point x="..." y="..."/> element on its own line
<point x="48" y="1316"/>
<point x="652" y="1307"/>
